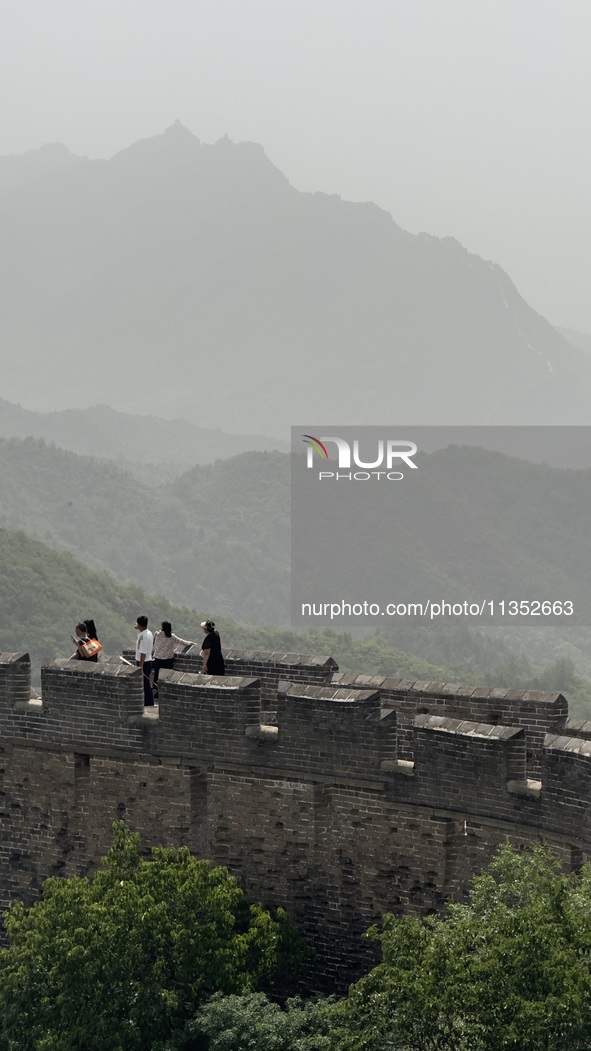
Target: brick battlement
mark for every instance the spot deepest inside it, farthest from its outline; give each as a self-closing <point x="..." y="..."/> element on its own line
<point x="338" y="796"/>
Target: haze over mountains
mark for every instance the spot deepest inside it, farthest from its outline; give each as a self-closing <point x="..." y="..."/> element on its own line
<point x="578" y="339"/>
<point x="181" y="291"/>
<point x="215" y="538"/>
<point x="184" y="279"/>
<point x="218" y="536"/>
<point x="169" y="445"/>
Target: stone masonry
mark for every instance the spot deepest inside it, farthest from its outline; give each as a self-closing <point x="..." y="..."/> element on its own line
<point x="339" y="797"/>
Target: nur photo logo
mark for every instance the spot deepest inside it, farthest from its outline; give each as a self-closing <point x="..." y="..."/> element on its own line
<point x="385" y="453"/>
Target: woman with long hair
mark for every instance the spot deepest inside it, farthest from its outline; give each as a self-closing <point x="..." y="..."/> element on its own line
<point x="165" y="644"/>
<point x="85" y="632"/>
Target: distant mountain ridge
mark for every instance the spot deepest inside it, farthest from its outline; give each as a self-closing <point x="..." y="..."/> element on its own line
<point x="218" y="537"/>
<point x="192" y="280"/>
<point x="50" y="159"/>
<point x="122" y="437"/>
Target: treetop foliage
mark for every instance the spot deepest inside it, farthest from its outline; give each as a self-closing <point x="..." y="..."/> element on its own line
<point x="508" y="971"/>
<point x="166" y="955"/>
<point x="124" y="959"/>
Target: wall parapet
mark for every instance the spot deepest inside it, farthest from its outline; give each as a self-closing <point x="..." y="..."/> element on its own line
<point x="15" y="678"/>
<point x="323" y="721"/>
<point x="268" y="667"/>
<point x="340" y="797"/>
<point x="538" y="712"/>
<point x="413" y="739"/>
<point x="469" y="762"/>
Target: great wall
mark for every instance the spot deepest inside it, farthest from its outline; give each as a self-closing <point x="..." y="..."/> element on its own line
<point x="339" y="797"/>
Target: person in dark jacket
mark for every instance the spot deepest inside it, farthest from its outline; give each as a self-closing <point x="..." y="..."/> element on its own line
<point x="211" y="648"/>
<point x="91" y="629"/>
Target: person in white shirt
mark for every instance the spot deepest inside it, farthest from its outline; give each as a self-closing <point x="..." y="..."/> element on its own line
<point x="165" y="644"/>
<point x="143" y="656"/>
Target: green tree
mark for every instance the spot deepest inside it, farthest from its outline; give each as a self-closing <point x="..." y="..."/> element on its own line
<point x="121" y="962"/>
<point x="253" y="1023"/>
<point x="409" y="1001"/>
<point x="510" y="970"/>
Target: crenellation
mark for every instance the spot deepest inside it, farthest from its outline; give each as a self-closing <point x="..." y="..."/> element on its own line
<point x="15" y="681"/>
<point x="205" y="717"/>
<point x="271" y="668"/>
<point x="468" y="765"/>
<point x="537" y="712"/>
<point x="87" y="703"/>
<point x="578" y="728"/>
<point x="340" y="797"/>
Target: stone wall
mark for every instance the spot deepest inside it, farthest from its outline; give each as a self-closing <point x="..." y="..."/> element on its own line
<point x="338" y="797"/>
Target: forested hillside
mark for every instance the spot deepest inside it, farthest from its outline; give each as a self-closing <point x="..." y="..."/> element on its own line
<point x="44" y="593"/>
<point x="218" y="537"/>
<point x="468" y="524"/>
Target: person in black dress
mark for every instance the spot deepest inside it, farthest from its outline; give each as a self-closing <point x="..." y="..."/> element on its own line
<point x="211" y="648"/>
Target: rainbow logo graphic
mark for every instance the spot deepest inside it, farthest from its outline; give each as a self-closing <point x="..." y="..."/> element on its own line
<point x="309" y="439"/>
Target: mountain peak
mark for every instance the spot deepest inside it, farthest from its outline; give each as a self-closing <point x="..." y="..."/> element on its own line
<point x="53" y="158"/>
<point x="176" y="139"/>
<point x="179" y="133"/>
<point x="53" y="149"/>
<point x="225" y="162"/>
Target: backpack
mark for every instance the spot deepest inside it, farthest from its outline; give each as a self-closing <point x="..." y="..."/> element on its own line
<point x="90" y="647"/>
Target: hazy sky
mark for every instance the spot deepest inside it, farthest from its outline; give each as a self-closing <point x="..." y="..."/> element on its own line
<point x="462" y="117"/>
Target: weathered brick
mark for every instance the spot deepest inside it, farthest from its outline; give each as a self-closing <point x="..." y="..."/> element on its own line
<point x="339" y="797"/>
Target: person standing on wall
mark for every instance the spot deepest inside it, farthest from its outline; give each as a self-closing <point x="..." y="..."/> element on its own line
<point x="165" y="643"/>
<point x="211" y="649"/>
<point x="91" y="629"/>
<point x="143" y="656"/>
<point x="88" y="646"/>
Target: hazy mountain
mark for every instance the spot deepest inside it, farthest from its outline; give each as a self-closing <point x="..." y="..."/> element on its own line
<point x="470" y="525"/>
<point x="35" y="165"/>
<point x="101" y="431"/>
<point x="578" y="339"/>
<point x="45" y="592"/>
<point x="181" y="279"/>
<point x="65" y="591"/>
<point x="217" y="538"/>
